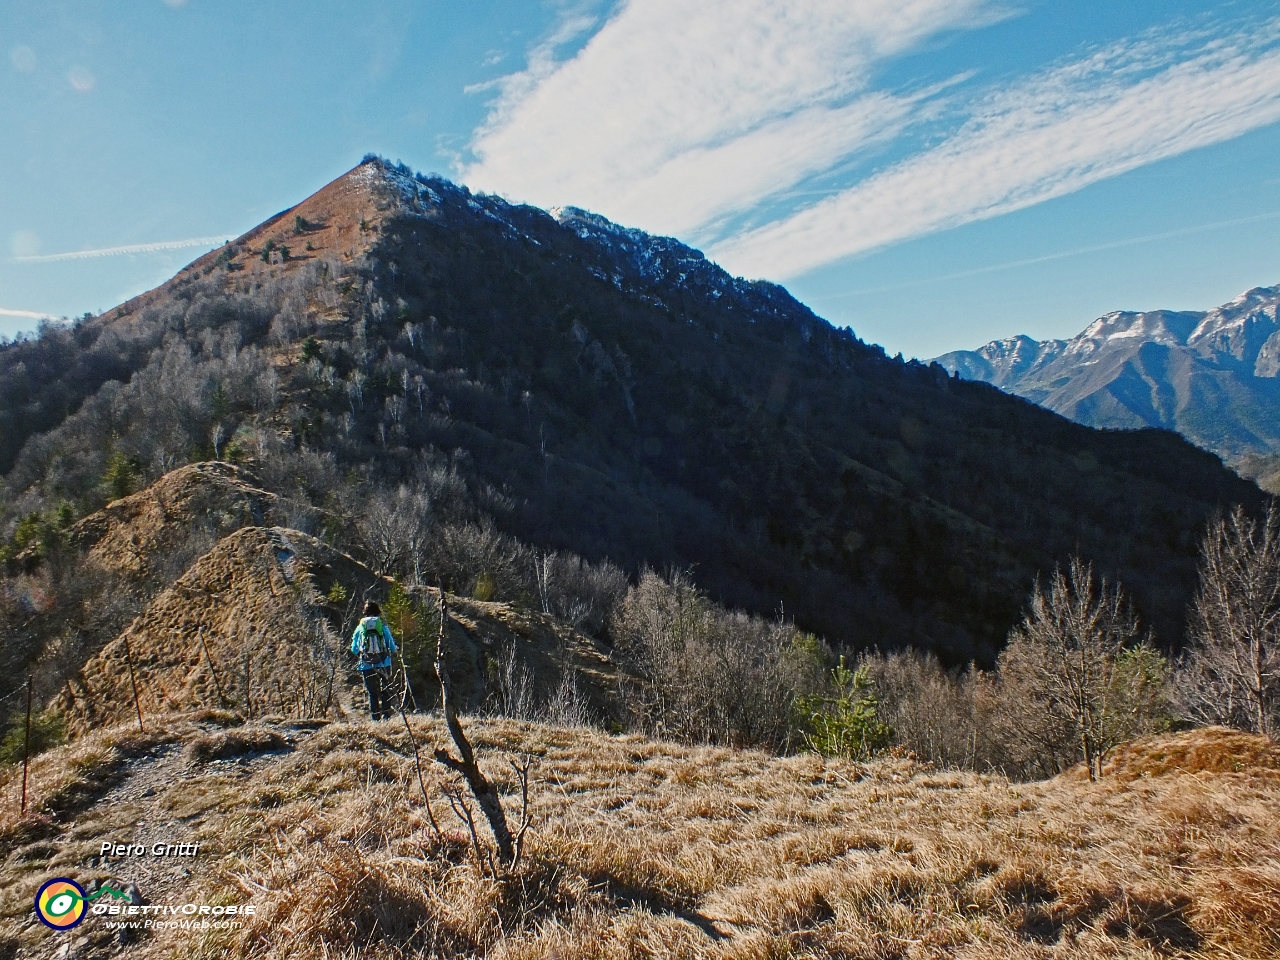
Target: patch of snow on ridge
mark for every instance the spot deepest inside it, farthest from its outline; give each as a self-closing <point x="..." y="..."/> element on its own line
<point x="1146" y="328"/>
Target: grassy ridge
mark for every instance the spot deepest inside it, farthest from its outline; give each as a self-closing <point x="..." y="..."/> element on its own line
<point x="645" y="848"/>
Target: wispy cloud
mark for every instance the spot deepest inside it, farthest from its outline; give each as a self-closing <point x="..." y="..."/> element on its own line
<point x="121" y="251"/>
<point x="1080" y="123"/>
<point x="702" y="119"/>
<point x="674" y="115"/>
<point x="29" y="314"/>
<point x="1062" y="255"/>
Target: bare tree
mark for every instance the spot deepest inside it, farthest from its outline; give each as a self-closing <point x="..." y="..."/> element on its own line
<point x="1231" y="673"/>
<point x="568" y="706"/>
<point x="581" y="594"/>
<point x="513" y="685"/>
<point x="930" y="710"/>
<point x="395" y="529"/>
<point x="1072" y="649"/>
<point x="486" y="795"/>
<point x="709" y="674"/>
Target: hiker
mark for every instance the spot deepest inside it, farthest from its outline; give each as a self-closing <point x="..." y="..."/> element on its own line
<point x="373" y="645"/>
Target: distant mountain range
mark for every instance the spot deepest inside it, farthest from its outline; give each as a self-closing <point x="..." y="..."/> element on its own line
<point x="1210" y="376"/>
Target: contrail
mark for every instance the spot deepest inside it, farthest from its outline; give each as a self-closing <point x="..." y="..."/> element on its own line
<point x="1130" y="242"/>
<point x="120" y="251"/>
<point x="26" y="313"/>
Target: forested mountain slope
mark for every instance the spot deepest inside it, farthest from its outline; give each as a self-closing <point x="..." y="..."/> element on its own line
<point x="591" y="388"/>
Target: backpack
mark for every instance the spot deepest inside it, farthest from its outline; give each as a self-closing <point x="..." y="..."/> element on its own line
<point x="373" y="645"/>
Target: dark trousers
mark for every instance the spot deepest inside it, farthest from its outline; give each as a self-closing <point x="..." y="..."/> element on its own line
<point x="379" y="701"/>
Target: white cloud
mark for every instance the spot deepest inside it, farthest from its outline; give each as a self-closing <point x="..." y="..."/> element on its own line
<point x="1114" y="112"/>
<point x="675" y="114"/>
<point x="29" y="314"/>
<point x="1061" y="255"/>
<point x="702" y="184"/>
<point x="121" y="251"/>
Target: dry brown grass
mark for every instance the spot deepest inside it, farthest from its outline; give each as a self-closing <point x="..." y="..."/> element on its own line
<point x="139" y="533"/>
<point x="1211" y="750"/>
<point x="646" y="849"/>
<point x="68" y="778"/>
<point x="222" y="744"/>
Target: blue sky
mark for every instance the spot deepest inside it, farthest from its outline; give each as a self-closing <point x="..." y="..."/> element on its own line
<point x="932" y="173"/>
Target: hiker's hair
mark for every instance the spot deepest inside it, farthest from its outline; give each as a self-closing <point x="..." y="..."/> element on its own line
<point x="371" y="609"/>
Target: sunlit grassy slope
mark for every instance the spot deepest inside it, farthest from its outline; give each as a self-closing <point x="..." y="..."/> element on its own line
<point x="650" y="849"/>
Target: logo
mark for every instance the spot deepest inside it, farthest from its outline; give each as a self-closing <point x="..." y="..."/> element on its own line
<point x="60" y="903"/>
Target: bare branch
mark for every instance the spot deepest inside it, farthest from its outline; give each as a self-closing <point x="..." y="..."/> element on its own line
<point x="483" y="791"/>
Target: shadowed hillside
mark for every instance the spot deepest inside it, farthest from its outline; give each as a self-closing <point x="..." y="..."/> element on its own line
<point x="593" y="389"/>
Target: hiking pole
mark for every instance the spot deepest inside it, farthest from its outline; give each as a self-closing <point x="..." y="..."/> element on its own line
<point x="133" y="681"/>
<point x="26" y="750"/>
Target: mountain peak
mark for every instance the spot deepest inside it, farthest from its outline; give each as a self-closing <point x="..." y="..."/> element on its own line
<point x="1213" y="375"/>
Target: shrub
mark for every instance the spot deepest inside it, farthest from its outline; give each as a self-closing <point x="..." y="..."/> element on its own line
<point x="1078" y="659"/>
<point x="484" y="588"/>
<point x="843" y="723"/>
<point x="121" y="477"/>
<point x="931" y="711"/>
<point x="311" y="350"/>
<point x="401" y="615"/>
<point x="582" y="594"/>
<point x="47" y="731"/>
<point x="710" y="674"/>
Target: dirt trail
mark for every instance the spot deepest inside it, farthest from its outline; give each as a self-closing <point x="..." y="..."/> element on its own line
<point x="164" y="797"/>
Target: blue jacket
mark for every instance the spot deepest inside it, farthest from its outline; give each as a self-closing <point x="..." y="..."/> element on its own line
<point x="388" y="641"/>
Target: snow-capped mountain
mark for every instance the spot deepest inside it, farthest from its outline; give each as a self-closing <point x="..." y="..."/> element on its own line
<point x="1213" y="376"/>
